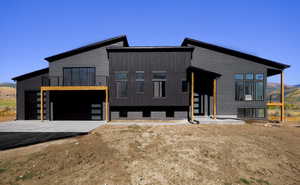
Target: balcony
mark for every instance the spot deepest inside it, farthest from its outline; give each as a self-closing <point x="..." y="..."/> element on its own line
<point x="99" y="80"/>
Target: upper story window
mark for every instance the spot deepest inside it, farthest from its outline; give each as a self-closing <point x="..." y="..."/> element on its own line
<point x="140" y="77"/>
<point x="79" y="76"/>
<point x="184" y="86"/>
<point x="249" y="87"/>
<point x="159" y="84"/>
<point x="121" y="79"/>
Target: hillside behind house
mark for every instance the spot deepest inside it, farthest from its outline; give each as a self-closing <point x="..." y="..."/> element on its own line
<point x="7" y="101"/>
<point x="7" y="84"/>
<point x="292" y="101"/>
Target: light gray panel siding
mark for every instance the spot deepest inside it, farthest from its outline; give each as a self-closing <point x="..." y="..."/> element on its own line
<point x="94" y="58"/>
<point x="135" y="115"/>
<point x="227" y="66"/>
<point x="180" y="114"/>
<point x="158" y="115"/>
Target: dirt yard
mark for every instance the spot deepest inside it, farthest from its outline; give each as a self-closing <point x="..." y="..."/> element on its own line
<point x="194" y="154"/>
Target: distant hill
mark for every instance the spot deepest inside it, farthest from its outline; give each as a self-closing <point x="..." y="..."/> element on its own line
<point x="7" y="84"/>
<point x="292" y="94"/>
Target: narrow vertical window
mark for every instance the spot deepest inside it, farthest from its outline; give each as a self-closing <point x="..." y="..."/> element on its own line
<point x="239" y="87"/>
<point x="139" y="77"/>
<point x="184" y="86"/>
<point x="121" y="79"/>
<point x="239" y="90"/>
<point x="259" y="90"/>
<point x="259" y="87"/>
<point x="249" y="87"/>
<point x="159" y="84"/>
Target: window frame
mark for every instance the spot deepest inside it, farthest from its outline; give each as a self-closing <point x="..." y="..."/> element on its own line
<point x="90" y="81"/>
<point x="163" y="81"/>
<point x="124" y="80"/>
<point x="252" y="82"/>
<point x="187" y="86"/>
<point x="137" y="80"/>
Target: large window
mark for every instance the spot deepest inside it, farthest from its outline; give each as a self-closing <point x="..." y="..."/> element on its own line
<point x="159" y="84"/>
<point x="79" y="76"/>
<point x="251" y="113"/>
<point x="249" y="87"/>
<point x="121" y="79"/>
<point x="139" y="77"/>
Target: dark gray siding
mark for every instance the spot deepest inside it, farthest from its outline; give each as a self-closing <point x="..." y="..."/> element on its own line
<point x="227" y="66"/>
<point x="93" y="58"/>
<point x="29" y="84"/>
<point x="175" y="63"/>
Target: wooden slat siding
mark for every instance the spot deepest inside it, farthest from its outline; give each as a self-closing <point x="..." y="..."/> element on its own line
<point x="282" y="97"/>
<point x="106" y="104"/>
<point x="42" y="105"/>
<point x="192" y="96"/>
<point x="274" y="104"/>
<point x="215" y="98"/>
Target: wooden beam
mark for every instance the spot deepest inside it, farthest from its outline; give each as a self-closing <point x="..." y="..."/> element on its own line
<point x="215" y="99"/>
<point x="73" y="88"/>
<point x="274" y="104"/>
<point x="106" y="104"/>
<point x="42" y="105"/>
<point x="192" y="96"/>
<point x="282" y="97"/>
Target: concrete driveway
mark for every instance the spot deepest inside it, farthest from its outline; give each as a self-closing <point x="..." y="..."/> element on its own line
<point x="20" y="133"/>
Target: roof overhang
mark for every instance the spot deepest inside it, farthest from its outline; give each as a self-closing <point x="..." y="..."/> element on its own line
<point x="150" y="48"/>
<point x="207" y="73"/>
<point x="88" y="48"/>
<point x="31" y="74"/>
<point x="235" y="53"/>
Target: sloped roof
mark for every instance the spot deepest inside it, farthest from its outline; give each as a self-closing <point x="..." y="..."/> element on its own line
<point x="31" y="74"/>
<point x="88" y="47"/>
<point x="235" y="53"/>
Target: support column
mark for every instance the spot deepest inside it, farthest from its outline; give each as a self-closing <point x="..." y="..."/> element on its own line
<point x="192" y="97"/>
<point x="282" y="97"/>
<point x="215" y="99"/>
<point x="106" y="104"/>
<point x="42" y="105"/>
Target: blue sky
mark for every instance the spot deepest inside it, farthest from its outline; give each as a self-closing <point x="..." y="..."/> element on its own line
<point x="31" y="30"/>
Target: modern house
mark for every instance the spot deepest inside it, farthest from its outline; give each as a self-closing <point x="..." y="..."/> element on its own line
<point x="110" y="80"/>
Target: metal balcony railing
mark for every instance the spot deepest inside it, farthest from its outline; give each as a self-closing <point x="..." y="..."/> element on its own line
<point x="99" y="80"/>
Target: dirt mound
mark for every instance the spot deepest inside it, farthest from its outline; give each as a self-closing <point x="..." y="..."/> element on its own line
<point x="195" y="154"/>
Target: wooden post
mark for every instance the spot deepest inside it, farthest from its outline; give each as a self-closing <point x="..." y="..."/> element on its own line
<point x="192" y="97"/>
<point x="106" y="104"/>
<point x="215" y="98"/>
<point x="42" y="105"/>
<point x="282" y="97"/>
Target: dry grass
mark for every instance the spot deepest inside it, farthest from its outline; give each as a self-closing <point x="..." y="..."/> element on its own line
<point x="7" y="103"/>
<point x="195" y="154"/>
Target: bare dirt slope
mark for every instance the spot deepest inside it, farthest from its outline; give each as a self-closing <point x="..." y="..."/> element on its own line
<point x="195" y="154"/>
